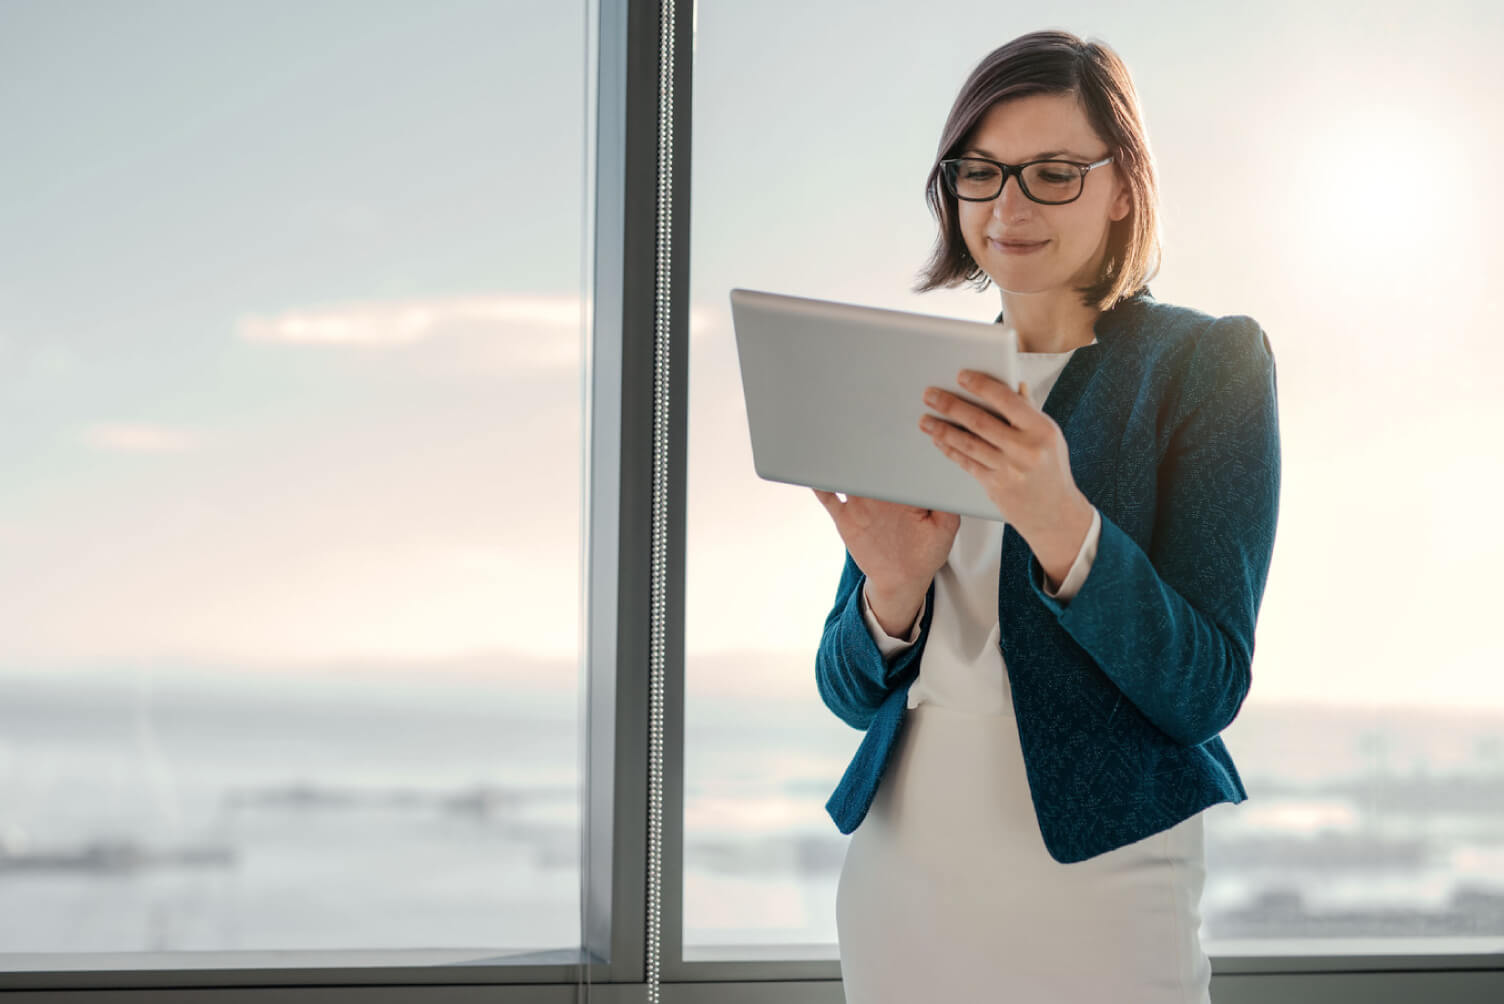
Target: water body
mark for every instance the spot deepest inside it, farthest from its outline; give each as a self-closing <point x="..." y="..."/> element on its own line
<point x="148" y="813"/>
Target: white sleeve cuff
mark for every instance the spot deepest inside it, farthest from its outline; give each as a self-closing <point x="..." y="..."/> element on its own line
<point x="886" y="643"/>
<point x="1082" y="565"/>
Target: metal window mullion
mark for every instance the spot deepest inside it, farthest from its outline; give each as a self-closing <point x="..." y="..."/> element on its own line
<point x="664" y="920"/>
<point x="658" y="626"/>
<point x="634" y="606"/>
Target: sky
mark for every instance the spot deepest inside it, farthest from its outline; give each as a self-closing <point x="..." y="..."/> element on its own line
<point x="1289" y="143"/>
<point x="290" y="318"/>
<point x="282" y="315"/>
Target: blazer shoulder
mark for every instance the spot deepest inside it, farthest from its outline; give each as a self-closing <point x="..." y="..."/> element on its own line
<point x="1229" y="365"/>
<point x="1176" y="330"/>
<point x="1173" y="322"/>
<point x="1199" y="354"/>
<point x="1232" y="344"/>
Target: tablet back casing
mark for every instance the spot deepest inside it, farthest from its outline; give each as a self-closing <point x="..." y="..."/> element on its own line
<point x="835" y="391"/>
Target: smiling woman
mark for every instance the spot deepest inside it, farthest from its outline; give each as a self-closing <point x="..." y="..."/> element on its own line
<point x="1108" y="618"/>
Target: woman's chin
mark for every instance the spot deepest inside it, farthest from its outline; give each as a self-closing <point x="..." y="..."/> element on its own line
<point x="1018" y="280"/>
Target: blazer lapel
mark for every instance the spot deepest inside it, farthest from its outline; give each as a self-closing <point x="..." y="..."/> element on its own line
<point x="1085" y="363"/>
<point x="1060" y="403"/>
<point x="1092" y="449"/>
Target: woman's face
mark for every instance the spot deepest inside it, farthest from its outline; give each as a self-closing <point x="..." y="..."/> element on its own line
<point x="1075" y="234"/>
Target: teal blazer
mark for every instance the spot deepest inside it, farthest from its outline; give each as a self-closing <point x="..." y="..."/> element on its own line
<point x="1119" y="693"/>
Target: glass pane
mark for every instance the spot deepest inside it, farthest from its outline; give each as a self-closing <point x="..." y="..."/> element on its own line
<point x="289" y="662"/>
<point x="1370" y="741"/>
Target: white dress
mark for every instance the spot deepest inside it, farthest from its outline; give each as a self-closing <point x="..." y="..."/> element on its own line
<point x="945" y="896"/>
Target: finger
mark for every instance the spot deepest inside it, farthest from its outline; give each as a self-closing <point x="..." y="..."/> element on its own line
<point x="953" y="439"/>
<point x="985" y="420"/>
<point x="1012" y="404"/>
<point x="962" y="460"/>
<point x="980" y="421"/>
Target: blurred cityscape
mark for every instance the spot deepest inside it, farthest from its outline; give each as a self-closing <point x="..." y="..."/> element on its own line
<point x="190" y="816"/>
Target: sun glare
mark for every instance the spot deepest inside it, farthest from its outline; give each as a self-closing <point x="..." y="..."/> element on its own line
<point x="1385" y="189"/>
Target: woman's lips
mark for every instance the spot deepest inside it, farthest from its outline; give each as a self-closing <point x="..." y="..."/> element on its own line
<point x="1016" y="248"/>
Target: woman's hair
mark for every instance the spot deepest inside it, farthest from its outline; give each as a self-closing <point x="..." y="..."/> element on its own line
<point x="1055" y="62"/>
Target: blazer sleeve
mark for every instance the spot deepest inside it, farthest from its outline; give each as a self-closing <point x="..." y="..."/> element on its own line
<point x="1173" y="627"/>
<point x="851" y="674"/>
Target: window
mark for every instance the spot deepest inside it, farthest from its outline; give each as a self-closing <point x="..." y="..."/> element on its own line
<point x="1369" y="742"/>
<point x="293" y="439"/>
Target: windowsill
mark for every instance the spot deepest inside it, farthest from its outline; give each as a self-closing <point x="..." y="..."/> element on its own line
<point x="282" y="961"/>
<point x="1251" y="955"/>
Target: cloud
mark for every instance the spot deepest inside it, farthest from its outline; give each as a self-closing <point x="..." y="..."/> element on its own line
<point x="136" y="437"/>
<point x="407" y="321"/>
<point x="525" y="329"/>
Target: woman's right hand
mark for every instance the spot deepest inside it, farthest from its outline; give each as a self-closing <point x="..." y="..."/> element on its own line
<point x="899" y="547"/>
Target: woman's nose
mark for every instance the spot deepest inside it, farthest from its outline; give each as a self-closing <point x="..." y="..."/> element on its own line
<point x="1011" y="198"/>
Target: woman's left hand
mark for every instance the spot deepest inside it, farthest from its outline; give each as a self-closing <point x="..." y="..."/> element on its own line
<point x="1025" y="468"/>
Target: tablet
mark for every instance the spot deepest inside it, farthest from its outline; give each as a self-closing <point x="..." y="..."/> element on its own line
<point x="834" y="393"/>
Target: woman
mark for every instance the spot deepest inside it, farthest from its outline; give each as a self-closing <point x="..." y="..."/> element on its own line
<point x="1042" y="694"/>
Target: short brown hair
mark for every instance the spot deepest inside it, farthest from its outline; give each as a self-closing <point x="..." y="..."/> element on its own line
<point x="1056" y="62"/>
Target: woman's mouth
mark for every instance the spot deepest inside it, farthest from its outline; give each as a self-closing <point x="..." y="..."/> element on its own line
<point x="1015" y="248"/>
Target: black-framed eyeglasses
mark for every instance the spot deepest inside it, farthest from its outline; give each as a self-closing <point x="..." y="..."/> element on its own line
<point x="1049" y="182"/>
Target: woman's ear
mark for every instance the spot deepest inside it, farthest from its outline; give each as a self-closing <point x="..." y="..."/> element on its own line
<point x="1122" y="205"/>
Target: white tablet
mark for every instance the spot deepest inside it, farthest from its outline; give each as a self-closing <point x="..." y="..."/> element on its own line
<point x="834" y="393"/>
